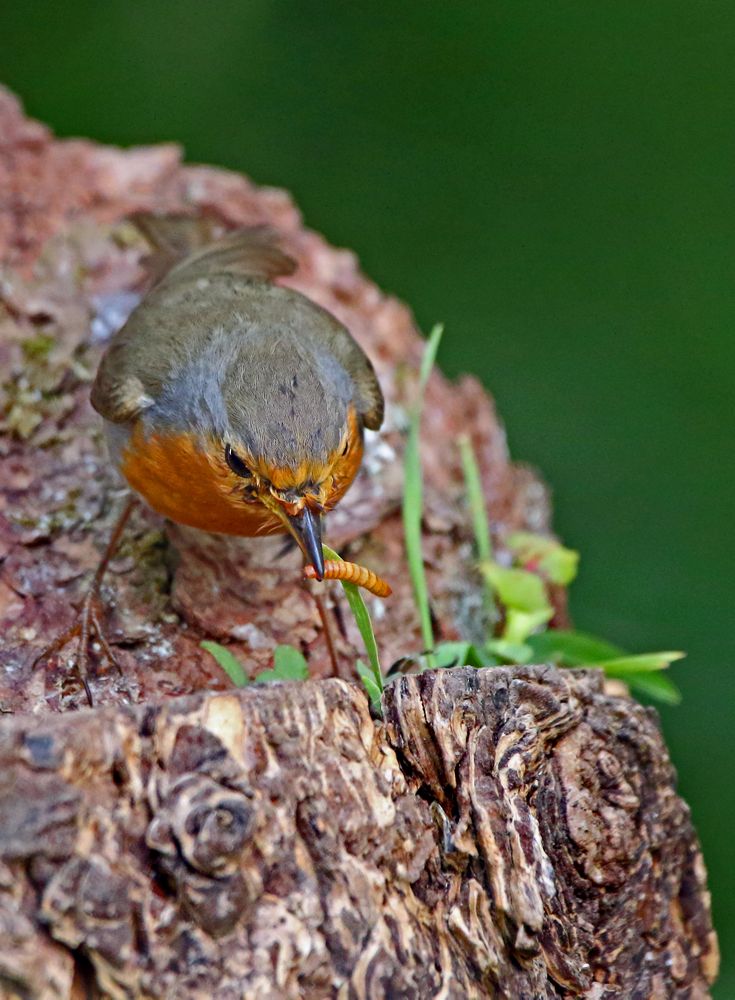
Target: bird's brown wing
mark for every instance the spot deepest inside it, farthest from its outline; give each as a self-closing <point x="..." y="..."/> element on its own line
<point x="116" y="395"/>
<point x="137" y="360"/>
<point x="368" y="394"/>
<point x="171" y="321"/>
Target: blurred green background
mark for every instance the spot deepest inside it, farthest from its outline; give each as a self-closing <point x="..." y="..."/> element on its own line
<point x="555" y="182"/>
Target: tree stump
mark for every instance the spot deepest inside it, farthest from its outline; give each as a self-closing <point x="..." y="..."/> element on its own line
<point x="511" y="832"/>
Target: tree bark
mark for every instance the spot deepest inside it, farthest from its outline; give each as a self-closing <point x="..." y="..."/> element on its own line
<point x="507" y="832"/>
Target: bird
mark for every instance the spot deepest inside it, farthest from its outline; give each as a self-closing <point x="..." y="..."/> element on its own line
<point x="231" y="403"/>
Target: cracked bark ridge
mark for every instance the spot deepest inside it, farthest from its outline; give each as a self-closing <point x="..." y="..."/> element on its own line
<point x="505" y="833"/>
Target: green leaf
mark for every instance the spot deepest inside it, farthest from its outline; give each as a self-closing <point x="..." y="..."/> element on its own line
<point x="451" y="654"/>
<point x="459" y="654"/>
<point x="520" y="625"/>
<point x="374" y="690"/>
<point x="229" y="663"/>
<point x="517" y="588"/>
<point x="571" y="648"/>
<point x="510" y="652"/>
<point x="557" y="563"/>
<point x="642" y="663"/>
<point x="289" y="665"/>
<point x="560" y="565"/>
<point x="655" y="685"/>
<point x="640" y="672"/>
<point x="362" y="620"/>
<point x="413" y="495"/>
<point x="476" y="499"/>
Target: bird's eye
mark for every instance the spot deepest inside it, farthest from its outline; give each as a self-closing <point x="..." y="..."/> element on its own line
<point x="236" y="463"/>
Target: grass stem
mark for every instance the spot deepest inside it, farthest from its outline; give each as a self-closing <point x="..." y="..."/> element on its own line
<point x="413" y="497"/>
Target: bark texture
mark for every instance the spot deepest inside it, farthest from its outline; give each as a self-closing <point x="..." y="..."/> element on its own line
<point x="506" y="833"/>
<point x="510" y="833"/>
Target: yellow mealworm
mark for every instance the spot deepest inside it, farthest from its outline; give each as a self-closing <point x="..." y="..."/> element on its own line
<point x="359" y="575"/>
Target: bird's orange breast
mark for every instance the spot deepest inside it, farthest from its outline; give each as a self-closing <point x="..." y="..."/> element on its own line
<point x="182" y="481"/>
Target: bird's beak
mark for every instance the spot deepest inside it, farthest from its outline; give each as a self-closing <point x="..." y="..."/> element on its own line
<point x="306" y="528"/>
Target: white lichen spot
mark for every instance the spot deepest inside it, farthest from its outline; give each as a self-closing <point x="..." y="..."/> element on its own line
<point x="163" y="648"/>
<point x="378" y="453"/>
<point x="252" y="635"/>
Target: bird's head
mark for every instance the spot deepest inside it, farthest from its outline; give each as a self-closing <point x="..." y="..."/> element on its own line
<point x="294" y="493"/>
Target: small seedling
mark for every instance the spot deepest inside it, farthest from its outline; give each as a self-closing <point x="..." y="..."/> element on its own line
<point x="521" y="592"/>
<point x="288" y="665"/>
<point x="544" y="555"/>
<point x="228" y="661"/>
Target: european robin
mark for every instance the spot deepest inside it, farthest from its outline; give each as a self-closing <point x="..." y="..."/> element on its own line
<point x="233" y="404"/>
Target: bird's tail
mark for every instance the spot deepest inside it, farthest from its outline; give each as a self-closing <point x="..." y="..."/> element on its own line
<point x="185" y="246"/>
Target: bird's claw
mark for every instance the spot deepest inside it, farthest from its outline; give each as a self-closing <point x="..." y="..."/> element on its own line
<point x="86" y="628"/>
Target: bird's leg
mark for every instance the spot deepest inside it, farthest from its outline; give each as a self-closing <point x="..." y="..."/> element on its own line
<point x="87" y="622"/>
<point x="328" y="638"/>
<point x="339" y="617"/>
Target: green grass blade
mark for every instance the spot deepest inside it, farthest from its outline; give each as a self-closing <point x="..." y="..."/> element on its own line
<point x="413" y="495"/>
<point x="362" y="620"/>
<point x="655" y="686"/>
<point x="640" y="663"/>
<point x="572" y="649"/>
<point x="476" y="499"/>
<point x="229" y="663"/>
<point x="374" y="690"/>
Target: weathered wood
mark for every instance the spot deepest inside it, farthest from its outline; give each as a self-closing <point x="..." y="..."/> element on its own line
<point x="510" y="833"/>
